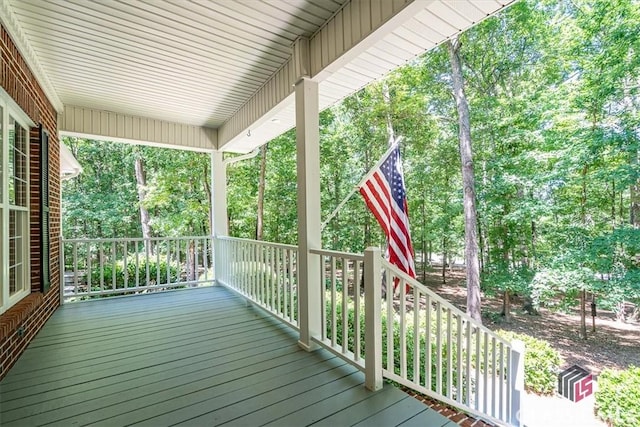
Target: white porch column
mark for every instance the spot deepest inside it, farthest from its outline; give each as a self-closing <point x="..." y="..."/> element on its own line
<point x="219" y="226"/>
<point x="308" y="166"/>
<point x="218" y="195"/>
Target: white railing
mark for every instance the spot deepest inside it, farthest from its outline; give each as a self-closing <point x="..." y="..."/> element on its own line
<point x="414" y="337"/>
<point x="264" y="273"/>
<point x="107" y="267"/>
<point x="342" y="279"/>
<point x="434" y="348"/>
<point x="419" y="340"/>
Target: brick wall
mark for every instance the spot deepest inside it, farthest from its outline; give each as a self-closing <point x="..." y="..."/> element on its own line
<point x="22" y="322"/>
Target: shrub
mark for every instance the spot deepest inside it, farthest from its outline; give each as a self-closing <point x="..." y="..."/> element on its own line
<point x="618" y="397"/>
<point x="107" y="274"/>
<point x="541" y="363"/>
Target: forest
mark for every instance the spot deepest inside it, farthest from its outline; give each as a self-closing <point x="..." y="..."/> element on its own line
<point x="553" y="89"/>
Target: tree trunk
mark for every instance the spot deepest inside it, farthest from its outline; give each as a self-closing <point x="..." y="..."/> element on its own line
<point x="583" y="314"/>
<point x="261" y="186"/>
<point x="367" y="221"/>
<point x="583" y="215"/>
<point x="468" y="181"/>
<point x="444" y="262"/>
<point x="424" y="244"/>
<point x="506" y="306"/>
<point x="481" y="245"/>
<point x="141" y="181"/>
<point x="387" y="100"/>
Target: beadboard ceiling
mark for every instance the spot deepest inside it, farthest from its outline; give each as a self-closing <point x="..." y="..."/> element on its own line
<point x="198" y="62"/>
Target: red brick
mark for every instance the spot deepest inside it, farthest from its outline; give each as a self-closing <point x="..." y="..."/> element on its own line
<point x="33" y="311"/>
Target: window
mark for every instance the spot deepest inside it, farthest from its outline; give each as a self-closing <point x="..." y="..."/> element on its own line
<point x="14" y="203"/>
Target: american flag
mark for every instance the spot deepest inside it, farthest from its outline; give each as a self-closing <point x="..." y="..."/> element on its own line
<point x="384" y="193"/>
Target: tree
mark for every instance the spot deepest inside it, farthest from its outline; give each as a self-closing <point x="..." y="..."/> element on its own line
<point x="468" y="180"/>
<point x="141" y="183"/>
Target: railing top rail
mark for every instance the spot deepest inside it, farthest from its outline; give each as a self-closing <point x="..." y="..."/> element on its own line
<point x="337" y="254"/>
<point x="130" y="239"/>
<point x="258" y="242"/>
<point x="422" y="288"/>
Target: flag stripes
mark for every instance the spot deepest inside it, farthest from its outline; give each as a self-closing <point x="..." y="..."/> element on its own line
<point x="385" y="196"/>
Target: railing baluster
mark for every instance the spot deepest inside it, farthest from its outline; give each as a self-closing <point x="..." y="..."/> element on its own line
<point x="459" y="352"/>
<point x="323" y="297"/>
<point x="286" y="254"/>
<point x="428" y="366"/>
<point x="75" y="267"/>
<point x="485" y="385"/>
<point x="89" y="256"/>
<point x="403" y="327"/>
<point x="438" y="348"/>
<point x="125" y="266"/>
<point x="449" y="392"/>
<point x="137" y="264"/>
<point x="493" y="376"/>
<point x="254" y="273"/>
<point x="168" y="260"/>
<point x="114" y="265"/>
<point x="278" y="280"/>
<point x="390" y="319"/>
<point x="478" y="368"/>
<point x="146" y="260"/>
<point x="269" y="276"/>
<point x="501" y="413"/>
<point x="205" y="259"/>
<point x="467" y="376"/>
<point x="293" y="307"/>
<point x="356" y="292"/>
<point x="101" y="267"/>
<point x="416" y="335"/>
<point x="157" y="262"/>
<point x="333" y="303"/>
<point x="345" y="305"/>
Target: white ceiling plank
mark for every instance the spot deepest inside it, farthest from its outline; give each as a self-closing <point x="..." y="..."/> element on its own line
<point x="117" y="41"/>
<point x="451" y="15"/>
<point x="201" y="62"/>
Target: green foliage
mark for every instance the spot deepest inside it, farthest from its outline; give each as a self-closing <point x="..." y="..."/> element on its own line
<point x="501" y="277"/>
<point x="618" y="397"/>
<point x="541" y="363"/>
<point x="105" y="275"/>
<point x="555" y="109"/>
<point x="102" y="202"/>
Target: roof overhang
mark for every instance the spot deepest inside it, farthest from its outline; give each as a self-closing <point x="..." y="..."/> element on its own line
<point x="217" y="74"/>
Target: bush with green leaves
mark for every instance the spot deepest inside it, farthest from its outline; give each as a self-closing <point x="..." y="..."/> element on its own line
<point x="541" y="363"/>
<point x="618" y="397"/>
<point x="106" y="273"/>
<point x="409" y="339"/>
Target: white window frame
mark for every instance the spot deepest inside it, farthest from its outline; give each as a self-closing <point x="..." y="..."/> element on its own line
<point x="11" y="109"/>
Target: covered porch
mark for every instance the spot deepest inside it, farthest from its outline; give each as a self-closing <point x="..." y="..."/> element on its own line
<point x="189" y="357"/>
<point x="220" y="77"/>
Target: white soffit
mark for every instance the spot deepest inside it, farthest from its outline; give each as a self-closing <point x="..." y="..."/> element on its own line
<point x="430" y="26"/>
<point x="225" y="65"/>
<point x="191" y="62"/>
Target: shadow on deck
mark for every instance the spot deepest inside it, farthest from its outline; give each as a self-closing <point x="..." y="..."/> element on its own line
<point x="192" y="357"/>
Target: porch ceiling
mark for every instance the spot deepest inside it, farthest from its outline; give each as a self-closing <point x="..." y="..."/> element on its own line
<point x="205" y="62"/>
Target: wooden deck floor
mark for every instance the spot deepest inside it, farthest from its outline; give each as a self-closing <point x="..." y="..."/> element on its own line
<point x="196" y="357"/>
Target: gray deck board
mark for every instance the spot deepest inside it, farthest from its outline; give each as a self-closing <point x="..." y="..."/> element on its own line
<point x="196" y="357"/>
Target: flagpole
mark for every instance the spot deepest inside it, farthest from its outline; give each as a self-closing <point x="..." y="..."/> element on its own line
<point x="353" y="191"/>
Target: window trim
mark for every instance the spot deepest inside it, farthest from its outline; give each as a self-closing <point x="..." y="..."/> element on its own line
<point x="11" y="109"/>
